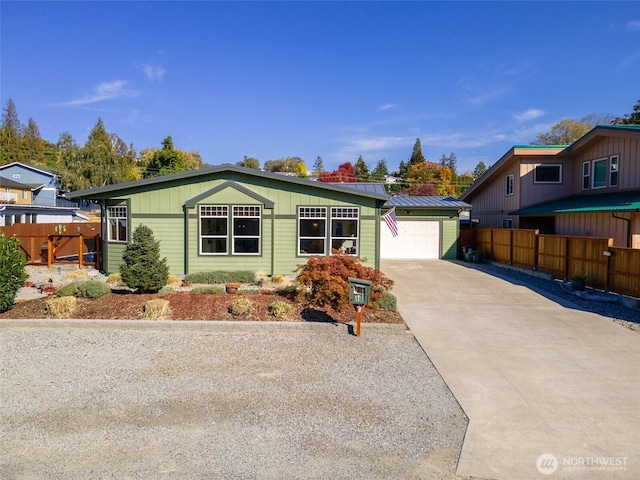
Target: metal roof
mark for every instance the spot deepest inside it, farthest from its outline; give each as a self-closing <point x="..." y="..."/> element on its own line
<point x="119" y="188"/>
<point x="625" y="201"/>
<point x="426" y="202"/>
<point x="369" y="187"/>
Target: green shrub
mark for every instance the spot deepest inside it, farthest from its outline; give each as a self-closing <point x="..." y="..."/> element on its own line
<point x="240" y="276"/>
<point x="157" y="309"/>
<point x="213" y="289"/>
<point x="167" y="290"/>
<point x="240" y="306"/>
<point x="388" y="301"/>
<point x="324" y="280"/>
<point x="84" y="289"/>
<point x="60" y="307"/>
<point x="143" y="270"/>
<point x="279" y="309"/>
<point x="12" y="274"/>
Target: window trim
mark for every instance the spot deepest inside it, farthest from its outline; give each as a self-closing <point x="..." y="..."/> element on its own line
<point x="232" y="229"/>
<point x="612" y="171"/>
<point x="355" y="238"/>
<point x="593" y="170"/>
<point x="310" y="209"/>
<point x="224" y="208"/>
<point x="508" y="221"/>
<point x="119" y="209"/>
<point x="586" y="175"/>
<point x="548" y="182"/>
<point x="509" y="184"/>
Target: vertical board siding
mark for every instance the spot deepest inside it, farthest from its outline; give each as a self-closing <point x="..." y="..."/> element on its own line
<point x="595" y="225"/>
<point x="449" y="234"/>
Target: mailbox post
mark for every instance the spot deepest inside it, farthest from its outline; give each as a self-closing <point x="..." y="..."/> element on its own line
<point x="359" y="294"/>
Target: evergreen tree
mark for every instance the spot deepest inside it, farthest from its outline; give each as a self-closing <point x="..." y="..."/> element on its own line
<point x="142" y="269"/>
<point x="10" y="135"/>
<point x="479" y="170"/>
<point x="33" y="145"/>
<point x="68" y="163"/>
<point x="416" y="154"/>
<point x="318" y="165"/>
<point x="380" y="171"/>
<point x="361" y="169"/>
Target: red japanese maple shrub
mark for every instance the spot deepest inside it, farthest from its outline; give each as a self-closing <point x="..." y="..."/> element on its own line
<point x="324" y="280"/>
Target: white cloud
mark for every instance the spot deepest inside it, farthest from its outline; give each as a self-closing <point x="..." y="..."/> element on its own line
<point x="104" y="91"/>
<point x="387" y="106"/>
<point x="530" y="114"/>
<point x="155" y="73"/>
<point x="634" y="24"/>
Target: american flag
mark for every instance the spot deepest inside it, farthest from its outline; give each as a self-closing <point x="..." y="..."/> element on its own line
<point x="390" y="219"/>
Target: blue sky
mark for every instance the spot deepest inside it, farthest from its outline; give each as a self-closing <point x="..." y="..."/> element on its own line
<point x="335" y="79"/>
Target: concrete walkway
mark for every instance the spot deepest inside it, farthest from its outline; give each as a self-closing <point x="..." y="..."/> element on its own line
<point x="550" y="391"/>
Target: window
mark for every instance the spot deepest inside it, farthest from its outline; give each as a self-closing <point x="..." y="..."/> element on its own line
<point x="24" y="194"/>
<point x="246" y="230"/>
<point x="507" y="223"/>
<point x="586" y="176"/>
<point x="509" y="184"/>
<point x="312" y="230"/>
<point x="548" y="173"/>
<point x="599" y="169"/>
<point x="213" y="229"/>
<point x="117" y="224"/>
<point x="613" y="171"/>
<point x="344" y="229"/>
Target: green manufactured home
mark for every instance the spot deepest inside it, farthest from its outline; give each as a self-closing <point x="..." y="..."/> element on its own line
<point x="233" y="218"/>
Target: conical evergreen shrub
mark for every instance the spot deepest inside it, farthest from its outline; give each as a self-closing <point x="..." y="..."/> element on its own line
<point x="12" y="273"/>
<point x="143" y="270"/>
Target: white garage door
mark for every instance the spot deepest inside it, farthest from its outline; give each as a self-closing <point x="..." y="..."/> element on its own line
<point x="415" y="240"/>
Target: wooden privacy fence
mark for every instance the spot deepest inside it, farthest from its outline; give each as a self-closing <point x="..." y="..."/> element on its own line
<point x="52" y="243"/>
<point x="611" y="268"/>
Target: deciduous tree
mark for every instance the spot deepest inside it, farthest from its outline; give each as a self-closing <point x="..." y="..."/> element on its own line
<point x="630" y="118"/>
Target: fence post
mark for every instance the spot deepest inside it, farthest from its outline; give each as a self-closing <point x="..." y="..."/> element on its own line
<point x="566" y="259"/>
<point x="511" y="246"/>
<point x="49" y="251"/>
<point x="536" y="246"/>
<point x="80" y="251"/>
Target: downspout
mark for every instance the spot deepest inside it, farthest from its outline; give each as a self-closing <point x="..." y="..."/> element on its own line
<point x="628" y="220"/>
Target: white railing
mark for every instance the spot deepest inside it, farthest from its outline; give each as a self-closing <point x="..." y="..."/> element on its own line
<point x="8" y="197"/>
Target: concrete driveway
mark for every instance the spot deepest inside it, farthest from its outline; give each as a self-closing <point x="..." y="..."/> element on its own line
<point x="550" y="391"/>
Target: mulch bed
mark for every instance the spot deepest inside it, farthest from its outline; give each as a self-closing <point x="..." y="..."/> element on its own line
<point x="189" y="306"/>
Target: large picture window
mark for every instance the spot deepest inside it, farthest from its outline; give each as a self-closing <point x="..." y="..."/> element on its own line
<point x="246" y="230"/>
<point x="599" y="177"/>
<point x="117" y="227"/>
<point x="312" y="230"/>
<point x="548" y="173"/>
<point x="214" y="229"/>
<point x="344" y="229"/>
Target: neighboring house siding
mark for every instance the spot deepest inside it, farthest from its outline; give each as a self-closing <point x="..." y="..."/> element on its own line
<point x="628" y="150"/>
<point x="492" y="207"/>
<point x="533" y="192"/>
<point x="601" y="225"/>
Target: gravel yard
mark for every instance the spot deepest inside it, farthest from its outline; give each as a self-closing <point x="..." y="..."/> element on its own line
<point x="85" y="403"/>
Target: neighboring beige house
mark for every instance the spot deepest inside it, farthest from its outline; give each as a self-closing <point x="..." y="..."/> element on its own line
<point x="15" y="192"/>
<point x="588" y="188"/>
<point x="17" y="205"/>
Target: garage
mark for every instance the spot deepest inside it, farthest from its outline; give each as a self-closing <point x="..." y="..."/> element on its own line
<point x="419" y="239"/>
<point x="428" y="227"/>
